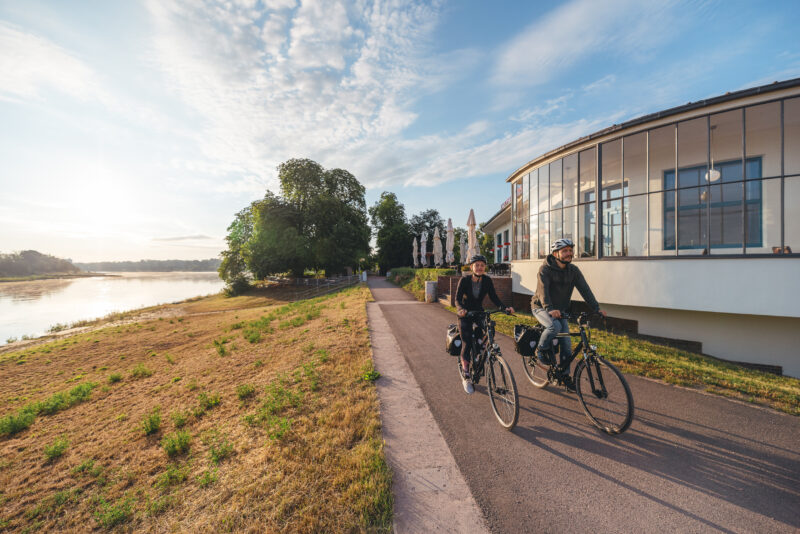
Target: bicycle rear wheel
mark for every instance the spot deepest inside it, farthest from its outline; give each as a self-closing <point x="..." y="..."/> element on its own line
<point x="502" y="391"/>
<point x="535" y="371"/>
<point x="604" y="395"/>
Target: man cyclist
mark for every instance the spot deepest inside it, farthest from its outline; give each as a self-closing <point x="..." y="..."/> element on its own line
<point x="556" y="280"/>
<point x="469" y="297"/>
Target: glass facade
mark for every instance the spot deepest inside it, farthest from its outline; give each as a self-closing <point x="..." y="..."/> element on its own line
<point x="725" y="183"/>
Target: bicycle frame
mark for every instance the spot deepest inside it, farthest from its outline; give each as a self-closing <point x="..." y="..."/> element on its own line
<point x="588" y="353"/>
<point x="488" y="327"/>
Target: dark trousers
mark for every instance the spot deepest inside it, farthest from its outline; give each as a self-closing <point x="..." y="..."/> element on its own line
<point x="467" y="338"/>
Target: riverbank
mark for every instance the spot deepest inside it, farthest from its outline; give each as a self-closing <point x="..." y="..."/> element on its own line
<point x="51" y="276"/>
<point x="215" y="414"/>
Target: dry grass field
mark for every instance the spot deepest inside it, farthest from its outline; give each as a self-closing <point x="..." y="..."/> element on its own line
<point x="245" y="414"/>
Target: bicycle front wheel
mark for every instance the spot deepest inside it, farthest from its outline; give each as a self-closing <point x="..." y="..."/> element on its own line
<point x="604" y="395"/>
<point x="502" y="392"/>
<point x="535" y="371"/>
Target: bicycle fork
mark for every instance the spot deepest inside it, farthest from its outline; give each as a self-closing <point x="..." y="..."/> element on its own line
<point x="600" y="393"/>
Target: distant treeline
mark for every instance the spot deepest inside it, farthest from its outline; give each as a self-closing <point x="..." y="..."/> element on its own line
<point x="30" y="262"/>
<point x="152" y="265"/>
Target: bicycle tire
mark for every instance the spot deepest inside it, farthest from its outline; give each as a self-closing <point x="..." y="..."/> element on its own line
<point x="613" y="412"/>
<point x="502" y="391"/>
<point x="535" y="371"/>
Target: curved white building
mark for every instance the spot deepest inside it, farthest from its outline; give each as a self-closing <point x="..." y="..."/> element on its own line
<point x="687" y="221"/>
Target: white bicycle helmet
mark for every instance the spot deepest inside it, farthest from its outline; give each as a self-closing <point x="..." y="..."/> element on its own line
<point x="561" y="243"/>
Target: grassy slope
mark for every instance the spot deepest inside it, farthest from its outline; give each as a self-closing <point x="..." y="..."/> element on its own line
<point x="302" y="453"/>
<point x="644" y="358"/>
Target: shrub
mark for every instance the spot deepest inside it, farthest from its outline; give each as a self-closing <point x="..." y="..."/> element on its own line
<point x="110" y="516"/>
<point x="245" y="391"/>
<point x="114" y="377"/>
<point x="177" y="443"/>
<point x="140" y="371"/>
<point x="172" y="476"/>
<point x="208" y="401"/>
<point x="207" y="478"/>
<point x="11" y="424"/>
<point x="56" y="449"/>
<point x="179" y="419"/>
<point x="220" y="448"/>
<point x="152" y="421"/>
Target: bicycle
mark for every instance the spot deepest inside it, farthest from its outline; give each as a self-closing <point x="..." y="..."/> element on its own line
<point x="488" y="360"/>
<point x="602" y="391"/>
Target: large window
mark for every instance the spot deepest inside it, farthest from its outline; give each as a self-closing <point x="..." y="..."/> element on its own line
<point x="724" y="183"/>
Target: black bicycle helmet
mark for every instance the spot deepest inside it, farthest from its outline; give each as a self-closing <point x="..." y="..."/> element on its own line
<point x="477" y="257"/>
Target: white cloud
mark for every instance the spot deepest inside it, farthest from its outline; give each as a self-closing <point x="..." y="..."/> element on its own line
<point x="30" y="64"/>
<point x="581" y="29"/>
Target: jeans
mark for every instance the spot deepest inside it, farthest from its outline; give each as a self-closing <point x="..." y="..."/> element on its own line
<point x="552" y="327"/>
<point x="468" y="349"/>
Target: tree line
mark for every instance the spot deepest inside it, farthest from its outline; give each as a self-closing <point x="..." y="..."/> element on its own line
<point x="31" y="262"/>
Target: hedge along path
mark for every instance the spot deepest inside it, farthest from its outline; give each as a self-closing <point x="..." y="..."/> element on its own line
<point x="644" y="358"/>
<point x="325" y="472"/>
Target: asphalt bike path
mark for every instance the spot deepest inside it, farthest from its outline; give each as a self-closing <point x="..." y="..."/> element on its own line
<point x="690" y="462"/>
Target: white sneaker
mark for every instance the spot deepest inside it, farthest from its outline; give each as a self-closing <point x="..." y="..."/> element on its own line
<point x="468" y="386"/>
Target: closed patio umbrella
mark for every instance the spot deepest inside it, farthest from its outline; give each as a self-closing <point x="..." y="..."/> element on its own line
<point x="423" y="249"/>
<point x="414" y="253"/>
<point x="472" y="247"/>
<point x="449" y="257"/>
<point x="437" y="248"/>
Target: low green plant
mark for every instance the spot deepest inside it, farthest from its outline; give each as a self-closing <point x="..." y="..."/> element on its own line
<point x="173" y="476"/>
<point x="176" y="443"/>
<point x="114" y="377"/>
<point x="56" y="449"/>
<point x="192" y="385"/>
<point x="111" y="515"/>
<point x="13" y="423"/>
<point x="176" y="379"/>
<point x="258" y="363"/>
<point x="159" y="505"/>
<point x="245" y="391"/>
<point x="368" y="373"/>
<point x="170" y="359"/>
<point x="179" y="419"/>
<point x="151" y="422"/>
<point x="207" y="401"/>
<point x="207" y="478"/>
<point x="219" y="448"/>
<point x="140" y="371"/>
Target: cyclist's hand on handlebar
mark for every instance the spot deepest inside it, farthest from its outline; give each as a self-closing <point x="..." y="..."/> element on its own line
<point x="603" y="313"/>
<point x="510" y="310"/>
<point x="555" y="314"/>
<point x="462" y="312"/>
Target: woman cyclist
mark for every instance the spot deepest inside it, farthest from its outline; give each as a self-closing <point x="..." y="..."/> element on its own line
<point x="469" y="297"/>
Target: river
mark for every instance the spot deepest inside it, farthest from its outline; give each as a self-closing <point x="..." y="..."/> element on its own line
<point x="31" y="308"/>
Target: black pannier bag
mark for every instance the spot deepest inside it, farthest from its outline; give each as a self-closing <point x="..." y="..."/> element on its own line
<point x="453" y="343"/>
<point x="526" y="338"/>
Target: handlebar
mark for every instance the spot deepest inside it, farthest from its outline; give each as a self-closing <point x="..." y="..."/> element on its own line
<point x="472" y="314"/>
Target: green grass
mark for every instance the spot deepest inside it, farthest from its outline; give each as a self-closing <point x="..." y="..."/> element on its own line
<point x="219" y="448"/>
<point x="173" y="476"/>
<point x="151" y="422"/>
<point x="140" y="371"/>
<point x="413" y="280"/>
<point x="110" y="515"/>
<point x="25" y="416"/>
<point x="176" y="443"/>
<point x="179" y="419"/>
<point x="56" y="449"/>
<point x="245" y="391"/>
<point x="114" y="377"/>
<point x="207" y="478"/>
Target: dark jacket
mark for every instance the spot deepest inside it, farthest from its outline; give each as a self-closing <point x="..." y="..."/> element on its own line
<point x="554" y="287"/>
<point x="466" y="300"/>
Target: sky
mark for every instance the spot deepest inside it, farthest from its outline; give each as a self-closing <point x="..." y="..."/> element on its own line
<point x="137" y="129"/>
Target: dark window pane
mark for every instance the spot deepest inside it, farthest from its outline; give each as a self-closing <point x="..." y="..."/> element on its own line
<point x="517" y="224"/>
<point x="692" y="225"/>
<point x="525" y="217"/>
<point x="661" y="225"/>
<point x="725" y="218"/>
<point x="556" y="196"/>
<point x="571" y="180"/>
<point x="662" y="156"/>
<point x="611" y="165"/>
<point x="635" y="230"/>
<point x="726" y="145"/>
<point x="791" y="136"/>
<point x="763" y="137"/>
<point x="544" y="188"/>
<point x="763" y="214"/>
<point x="753" y="215"/>
<point x="535" y="192"/>
<point x="635" y="164"/>
<point x="534" y="232"/>
<point x="587" y="231"/>
<point x="588" y="175"/>
<point x="612" y="228"/>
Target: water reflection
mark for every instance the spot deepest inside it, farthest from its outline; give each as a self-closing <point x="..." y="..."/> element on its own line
<point x="30" y="308"/>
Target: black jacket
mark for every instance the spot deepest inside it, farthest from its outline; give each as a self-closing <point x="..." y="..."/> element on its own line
<point x="554" y="287"/>
<point x="465" y="299"/>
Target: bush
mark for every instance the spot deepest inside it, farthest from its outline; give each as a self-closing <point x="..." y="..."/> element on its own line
<point x="11" y="424"/>
<point x="152" y="421"/>
<point x="112" y="515"/>
<point x="56" y="449"/>
<point x="245" y="391"/>
<point x="140" y="371"/>
<point x="114" y="377"/>
<point x="177" y="443"/>
<point x="179" y="419"/>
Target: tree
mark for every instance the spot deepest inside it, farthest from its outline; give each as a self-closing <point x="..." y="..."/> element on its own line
<point x="392" y="234"/>
<point x="276" y="244"/>
<point x="428" y="221"/>
<point x="233" y="269"/>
